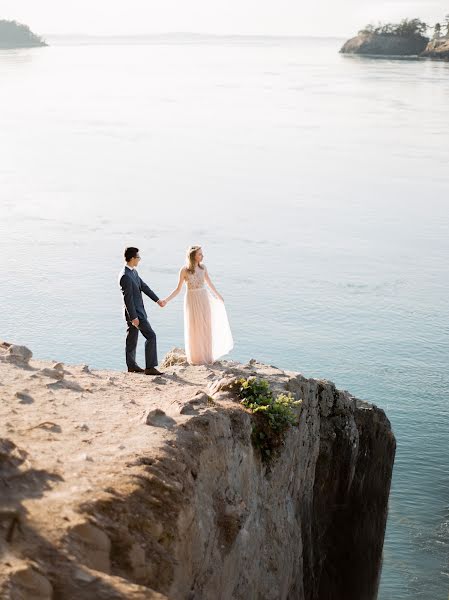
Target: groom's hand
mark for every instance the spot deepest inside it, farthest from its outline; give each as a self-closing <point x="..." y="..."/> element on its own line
<point x="135" y="322"/>
<point x="161" y="303"/>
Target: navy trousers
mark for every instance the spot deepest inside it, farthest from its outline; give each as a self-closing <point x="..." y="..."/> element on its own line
<point x="132" y="335"/>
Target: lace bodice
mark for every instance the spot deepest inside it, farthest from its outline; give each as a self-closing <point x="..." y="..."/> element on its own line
<point x="195" y="281"/>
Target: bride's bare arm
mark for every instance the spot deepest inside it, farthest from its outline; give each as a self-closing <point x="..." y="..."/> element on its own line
<point x="211" y="285"/>
<point x="177" y="289"/>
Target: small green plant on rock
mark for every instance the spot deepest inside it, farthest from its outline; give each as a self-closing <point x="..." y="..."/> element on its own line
<point x="273" y="414"/>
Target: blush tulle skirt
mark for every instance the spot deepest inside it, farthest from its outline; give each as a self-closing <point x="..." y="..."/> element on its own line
<point x="207" y="334"/>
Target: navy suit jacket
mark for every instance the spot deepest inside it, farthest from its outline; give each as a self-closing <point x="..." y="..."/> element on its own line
<point x="132" y="287"/>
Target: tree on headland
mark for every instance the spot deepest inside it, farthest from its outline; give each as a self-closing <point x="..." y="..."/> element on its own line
<point x="406" y="28"/>
<point x="17" y="35"/>
<point x="406" y="38"/>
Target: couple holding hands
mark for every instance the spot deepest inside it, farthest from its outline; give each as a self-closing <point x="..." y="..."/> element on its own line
<point x="207" y="334"/>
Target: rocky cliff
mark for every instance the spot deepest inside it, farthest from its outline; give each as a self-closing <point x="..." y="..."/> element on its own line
<point x="437" y="49"/>
<point x="117" y="485"/>
<point x="385" y="45"/>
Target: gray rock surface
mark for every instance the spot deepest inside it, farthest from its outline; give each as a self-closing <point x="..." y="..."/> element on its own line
<point x="176" y="356"/>
<point x="17" y="355"/>
<point x="384" y="45"/>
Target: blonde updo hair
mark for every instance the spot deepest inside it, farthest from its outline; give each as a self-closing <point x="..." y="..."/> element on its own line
<point x="190" y="258"/>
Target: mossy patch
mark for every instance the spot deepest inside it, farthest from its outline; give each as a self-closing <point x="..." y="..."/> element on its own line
<point x="273" y="415"/>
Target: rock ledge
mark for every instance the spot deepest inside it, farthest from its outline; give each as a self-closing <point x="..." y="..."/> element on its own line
<point x="115" y="487"/>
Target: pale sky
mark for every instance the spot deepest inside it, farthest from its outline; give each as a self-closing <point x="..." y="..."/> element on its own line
<point x="266" y="17"/>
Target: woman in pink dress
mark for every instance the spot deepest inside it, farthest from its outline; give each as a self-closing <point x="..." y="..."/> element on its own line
<point x="207" y="334"/>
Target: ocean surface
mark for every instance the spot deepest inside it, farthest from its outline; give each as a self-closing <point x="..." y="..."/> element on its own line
<point x="318" y="185"/>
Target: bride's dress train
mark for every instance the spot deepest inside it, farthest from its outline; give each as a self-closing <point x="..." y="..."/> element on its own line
<point x="207" y="334"/>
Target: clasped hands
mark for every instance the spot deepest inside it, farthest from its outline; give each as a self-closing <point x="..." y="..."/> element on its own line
<point x="163" y="303"/>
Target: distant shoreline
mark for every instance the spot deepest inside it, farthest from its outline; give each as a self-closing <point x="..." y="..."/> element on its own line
<point x="14" y="35"/>
<point x="185" y="36"/>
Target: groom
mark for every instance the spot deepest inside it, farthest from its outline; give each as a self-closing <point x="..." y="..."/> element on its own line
<point x="136" y="317"/>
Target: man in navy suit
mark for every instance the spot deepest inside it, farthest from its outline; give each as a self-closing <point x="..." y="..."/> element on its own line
<point x="136" y="317"/>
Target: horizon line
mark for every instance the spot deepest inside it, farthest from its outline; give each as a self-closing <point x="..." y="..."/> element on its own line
<point x="192" y="34"/>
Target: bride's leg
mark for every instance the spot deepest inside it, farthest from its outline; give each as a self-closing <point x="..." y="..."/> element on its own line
<point x="198" y="329"/>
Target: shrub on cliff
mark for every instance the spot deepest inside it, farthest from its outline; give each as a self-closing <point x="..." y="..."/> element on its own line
<point x="274" y="414"/>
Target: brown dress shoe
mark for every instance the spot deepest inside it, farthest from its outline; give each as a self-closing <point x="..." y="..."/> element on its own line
<point x="152" y="371"/>
<point x="135" y="370"/>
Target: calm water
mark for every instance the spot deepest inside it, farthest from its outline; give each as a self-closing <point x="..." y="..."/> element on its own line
<point x="318" y="185"/>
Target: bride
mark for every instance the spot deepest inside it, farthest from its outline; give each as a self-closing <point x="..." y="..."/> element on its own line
<point x="207" y="334"/>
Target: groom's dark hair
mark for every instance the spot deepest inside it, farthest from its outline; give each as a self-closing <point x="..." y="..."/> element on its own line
<point x="131" y="253"/>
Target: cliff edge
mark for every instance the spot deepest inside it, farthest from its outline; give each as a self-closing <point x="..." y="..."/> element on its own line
<point x="117" y="485"/>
